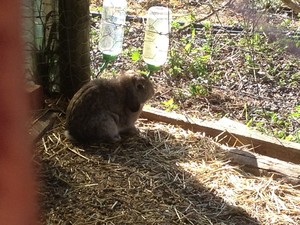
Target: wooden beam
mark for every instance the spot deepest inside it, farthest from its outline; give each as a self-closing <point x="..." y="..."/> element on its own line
<point x="293" y="5"/>
<point x="43" y="123"/>
<point x="255" y="162"/>
<point x="231" y="133"/>
<point x="35" y="95"/>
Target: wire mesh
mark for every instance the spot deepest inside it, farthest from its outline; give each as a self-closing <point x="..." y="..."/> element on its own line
<point x="212" y="45"/>
<point x="74" y="51"/>
<point x="28" y="37"/>
<point x="45" y="43"/>
<point x="219" y="45"/>
<point x="212" y="70"/>
<point x="135" y="28"/>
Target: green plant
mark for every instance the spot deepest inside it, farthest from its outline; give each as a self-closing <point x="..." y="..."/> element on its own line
<point x="296" y="113"/>
<point x="268" y="4"/>
<point x="192" y="56"/>
<point x="295" y="118"/>
<point x="177" y="63"/>
<point x="96" y="8"/>
<point x="198" y="89"/>
<point x="276" y="124"/>
<point x="135" y="55"/>
<point x="169" y="105"/>
<point x="252" y="42"/>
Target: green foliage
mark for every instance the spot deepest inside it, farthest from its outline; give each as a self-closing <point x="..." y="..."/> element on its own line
<point x="295" y="79"/>
<point x="207" y="25"/>
<point x="176" y="62"/>
<point x="278" y="125"/>
<point x="175" y="25"/>
<point x="252" y="46"/>
<point x="94" y="36"/>
<point x="96" y="8"/>
<point x="198" y="89"/>
<point x="296" y="112"/>
<point x="169" y="105"/>
<point x="275" y="4"/>
<point x="192" y="58"/>
<point x="252" y="42"/>
<point x="135" y="55"/>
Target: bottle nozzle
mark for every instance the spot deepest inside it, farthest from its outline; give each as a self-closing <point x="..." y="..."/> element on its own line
<point x="109" y="58"/>
<point x="153" y="68"/>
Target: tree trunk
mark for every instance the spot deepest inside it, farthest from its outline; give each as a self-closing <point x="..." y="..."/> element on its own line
<point x="74" y="53"/>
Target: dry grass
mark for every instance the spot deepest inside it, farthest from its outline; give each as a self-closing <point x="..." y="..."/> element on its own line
<point x="167" y="175"/>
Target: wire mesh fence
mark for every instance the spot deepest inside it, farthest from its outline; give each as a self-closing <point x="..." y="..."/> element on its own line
<point x="212" y="46"/>
<point x="46" y="43"/>
<point x="136" y="27"/>
<point x="28" y="36"/>
<point x="74" y="51"/>
<point x="40" y="36"/>
<point x="45" y="18"/>
<point x="231" y="46"/>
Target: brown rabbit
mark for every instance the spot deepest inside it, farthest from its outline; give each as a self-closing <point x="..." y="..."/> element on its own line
<point x="104" y="109"/>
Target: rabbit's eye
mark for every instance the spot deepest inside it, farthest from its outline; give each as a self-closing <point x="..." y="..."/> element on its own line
<point x="140" y="86"/>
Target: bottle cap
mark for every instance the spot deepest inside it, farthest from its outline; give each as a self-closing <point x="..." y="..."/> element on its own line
<point x="109" y="58"/>
<point x="153" y="68"/>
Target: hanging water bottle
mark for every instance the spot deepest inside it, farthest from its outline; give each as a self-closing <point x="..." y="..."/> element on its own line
<point x="112" y="28"/>
<point x="156" y="42"/>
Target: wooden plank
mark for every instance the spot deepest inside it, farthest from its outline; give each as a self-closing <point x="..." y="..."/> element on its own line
<point x="35" y="95"/>
<point x="290" y="171"/>
<point x="231" y="133"/>
<point x="43" y="123"/>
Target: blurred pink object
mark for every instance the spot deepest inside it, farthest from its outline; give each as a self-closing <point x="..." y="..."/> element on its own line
<point x="17" y="186"/>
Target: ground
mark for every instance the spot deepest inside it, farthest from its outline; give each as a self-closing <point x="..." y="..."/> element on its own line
<point x="167" y="175"/>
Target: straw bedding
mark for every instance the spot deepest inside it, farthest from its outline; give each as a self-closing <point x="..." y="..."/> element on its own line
<point x="166" y="175"/>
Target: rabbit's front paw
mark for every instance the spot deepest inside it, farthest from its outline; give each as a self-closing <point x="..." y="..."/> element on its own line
<point x="116" y="138"/>
<point x="129" y="131"/>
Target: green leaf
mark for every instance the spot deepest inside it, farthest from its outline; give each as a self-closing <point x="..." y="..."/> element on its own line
<point x="135" y="55"/>
<point x="250" y="122"/>
<point x="168" y="102"/>
<point x="188" y="47"/>
<point x="207" y="24"/>
<point x="169" y="105"/>
<point x="193" y="33"/>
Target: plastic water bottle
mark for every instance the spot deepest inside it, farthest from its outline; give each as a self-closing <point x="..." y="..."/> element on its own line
<point x="156" y="42"/>
<point x="112" y="27"/>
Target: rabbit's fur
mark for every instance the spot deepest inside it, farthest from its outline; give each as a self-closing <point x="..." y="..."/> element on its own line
<point x="104" y="109"/>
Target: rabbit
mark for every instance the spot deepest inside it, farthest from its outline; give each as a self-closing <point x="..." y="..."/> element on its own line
<point x="104" y="109"/>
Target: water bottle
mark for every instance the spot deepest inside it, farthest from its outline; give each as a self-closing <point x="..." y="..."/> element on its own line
<point x="156" y="42"/>
<point x="112" y="27"/>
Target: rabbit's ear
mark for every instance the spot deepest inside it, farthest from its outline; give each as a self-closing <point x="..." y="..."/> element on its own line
<point x="139" y="83"/>
<point x="132" y="102"/>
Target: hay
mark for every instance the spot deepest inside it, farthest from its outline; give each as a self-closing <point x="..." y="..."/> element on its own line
<point x="166" y="175"/>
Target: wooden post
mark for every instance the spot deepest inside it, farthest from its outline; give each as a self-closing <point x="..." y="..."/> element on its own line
<point x="74" y="48"/>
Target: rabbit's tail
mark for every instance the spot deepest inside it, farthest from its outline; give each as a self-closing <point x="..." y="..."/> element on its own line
<point x="69" y="136"/>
